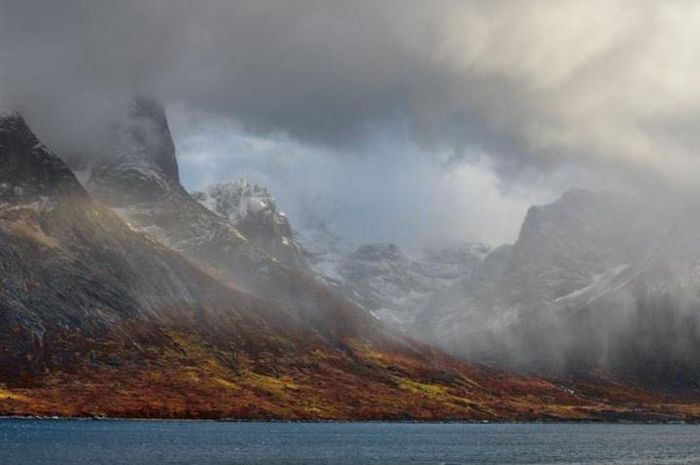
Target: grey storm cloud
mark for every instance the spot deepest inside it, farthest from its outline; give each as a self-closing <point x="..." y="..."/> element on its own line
<point x="534" y="84"/>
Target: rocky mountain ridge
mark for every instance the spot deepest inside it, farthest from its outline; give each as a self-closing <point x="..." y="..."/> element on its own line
<point x="253" y="211"/>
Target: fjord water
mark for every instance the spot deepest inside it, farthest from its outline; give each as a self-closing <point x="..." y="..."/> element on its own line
<point x="34" y="442"/>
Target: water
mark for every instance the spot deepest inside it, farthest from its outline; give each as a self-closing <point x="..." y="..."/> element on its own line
<point x="68" y="442"/>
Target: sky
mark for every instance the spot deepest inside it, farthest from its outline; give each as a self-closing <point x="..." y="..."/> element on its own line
<point x="388" y="191"/>
<point x="408" y="121"/>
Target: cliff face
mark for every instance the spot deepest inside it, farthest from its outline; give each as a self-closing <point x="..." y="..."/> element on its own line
<point x="139" y="165"/>
<point x="29" y="170"/>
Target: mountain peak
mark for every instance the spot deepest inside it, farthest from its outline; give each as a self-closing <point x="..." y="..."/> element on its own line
<point x="28" y="169"/>
<point x="253" y="210"/>
<point x="578" y="213"/>
<point x="235" y="200"/>
<point x="142" y="166"/>
<point x="13" y="124"/>
<point x="148" y="127"/>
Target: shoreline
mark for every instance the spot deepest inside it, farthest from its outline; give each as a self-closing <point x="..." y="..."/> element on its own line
<point x="322" y="421"/>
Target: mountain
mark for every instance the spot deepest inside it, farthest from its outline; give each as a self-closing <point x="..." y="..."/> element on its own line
<point x="138" y="178"/>
<point x="75" y="278"/>
<point x="253" y="211"/>
<point x="521" y="307"/>
<point x="98" y="318"/>
<point x="325" y="248"/>
<point x="596" y="283"/>
<point x="394" y="286"/>
<point x="139" y="166"/>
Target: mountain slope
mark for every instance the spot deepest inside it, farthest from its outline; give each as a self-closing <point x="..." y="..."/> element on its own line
<point x="596" y="283"/>
<point x="138" y="178"/>
<point x="394" y="286"/>
<point x="72" y="269"/>
<point x="387" y="282"/>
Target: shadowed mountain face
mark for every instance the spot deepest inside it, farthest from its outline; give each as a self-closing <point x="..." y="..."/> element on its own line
<point x="596" y="283"/>
<point x="140" y="166"/>
<point x="97" y="318"/>
<point x="73" y="270"/>
<point x="29" y="172"/>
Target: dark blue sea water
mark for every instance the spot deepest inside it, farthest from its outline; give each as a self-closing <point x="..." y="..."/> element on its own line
<point x="67" y="442"/>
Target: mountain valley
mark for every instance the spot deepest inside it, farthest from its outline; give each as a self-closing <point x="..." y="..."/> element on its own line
<point x="146" y="303"/>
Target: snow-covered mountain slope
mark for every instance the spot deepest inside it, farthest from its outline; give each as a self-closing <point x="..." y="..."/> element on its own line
<point x="253" y="211"/>
<point x="388" y="283"/>
<point x="584" y="271"/>
<point x="325" y="248"/>
<point x="394" y="286"/>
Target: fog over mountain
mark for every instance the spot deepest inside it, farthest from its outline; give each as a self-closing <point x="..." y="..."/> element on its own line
<point x="596" y="282"/>
<point x="512" y="182"/>
<point x="596" y="94"/>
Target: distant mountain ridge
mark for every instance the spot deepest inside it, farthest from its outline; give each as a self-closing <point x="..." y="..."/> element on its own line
<point x="389" y="283"/>
<point x="396" y="287"/>
<point x="596" y="283"/>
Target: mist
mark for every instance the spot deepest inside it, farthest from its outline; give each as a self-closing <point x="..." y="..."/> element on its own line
<point x="596" y="283"/>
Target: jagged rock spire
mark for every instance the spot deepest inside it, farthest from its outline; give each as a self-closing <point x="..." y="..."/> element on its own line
<point x="141" y="166"/>
<point x="253" y="210"/>
<point x="149" y="128"/>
